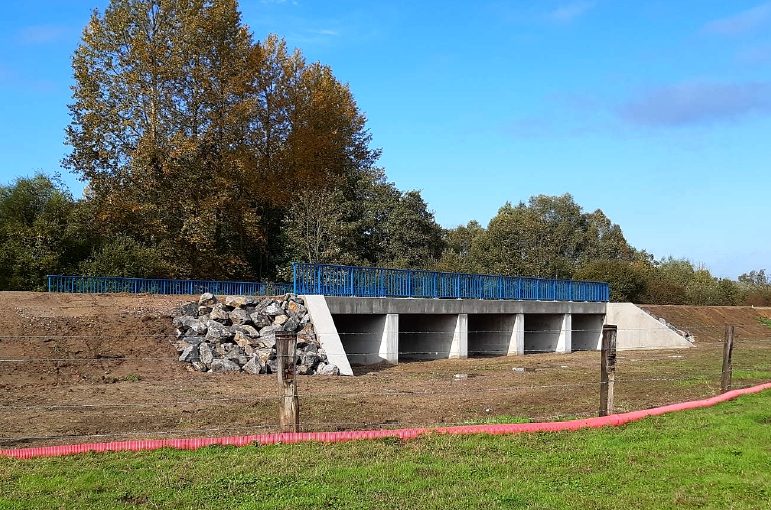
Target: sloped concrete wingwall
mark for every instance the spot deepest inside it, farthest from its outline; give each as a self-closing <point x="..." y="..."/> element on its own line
<point x="327" y="332"/>
<point x="639" y="330"/>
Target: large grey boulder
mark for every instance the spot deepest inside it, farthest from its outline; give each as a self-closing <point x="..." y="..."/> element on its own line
<point x="205" y="353"/>
<point x="253" y="366"/>
<point x="246" y="329"/>
<point x="261" y="320"/>
<point x="219" y="314"/>
<point x="189" y="309"/>
<point x="239" y="301"/>
<point x="196" y="326"/>
<point x="207" y="299"/>
<point x="218" y="332"/>
<point x="240" y="317"/>
<point x="291" y="325"/>
<point x="327" y="369"/>
<point x="219" y="366"/>
<point x="295" y="309"/>
<point x="190" y="354"/>
<point x="274" y="309"/>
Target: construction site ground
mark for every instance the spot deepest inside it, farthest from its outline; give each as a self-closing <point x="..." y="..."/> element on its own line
<point x="92" y="368"/>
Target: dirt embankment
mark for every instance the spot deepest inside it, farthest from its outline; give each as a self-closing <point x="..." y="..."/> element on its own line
<point x="82" y="368"/>
<point x="97" y="328"/>
<point x="707" y="323"/>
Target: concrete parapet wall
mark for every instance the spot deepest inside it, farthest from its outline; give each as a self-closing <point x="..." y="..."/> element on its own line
<point x="355" y="305"/>
<point x="639" y="330"/>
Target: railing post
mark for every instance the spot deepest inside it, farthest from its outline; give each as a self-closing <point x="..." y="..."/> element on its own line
<point x="457" y="285"/>
<point x="318" y="279"/>
<point x="353" y="273"/>
<point x="409" y="283"/>
<point x="294" y="278"/>
<point x="286" y="361"/>
<point x="607" y="369"/>
<point x="728" y="348"/>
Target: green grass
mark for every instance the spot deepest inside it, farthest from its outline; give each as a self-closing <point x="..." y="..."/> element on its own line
<point x="766" y="321"/>
<point x="710" y="458"/>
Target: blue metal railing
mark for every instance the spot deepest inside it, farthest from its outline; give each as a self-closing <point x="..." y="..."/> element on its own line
<point x="110" y="284"/>
<point x="334" y="280"/>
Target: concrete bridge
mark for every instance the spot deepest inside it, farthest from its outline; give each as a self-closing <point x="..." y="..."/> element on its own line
<point x="365" y="330"/>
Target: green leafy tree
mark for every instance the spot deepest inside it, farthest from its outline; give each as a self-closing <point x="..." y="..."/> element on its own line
<point x="627" y="280"/>
<point x="37" y="234"/>
<point x="459" y="243"/>
<point x="755" y="288"/>
<point x="547" y="237"/>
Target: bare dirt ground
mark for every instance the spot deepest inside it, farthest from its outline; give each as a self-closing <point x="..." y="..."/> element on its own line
<point x="82" y="368"/>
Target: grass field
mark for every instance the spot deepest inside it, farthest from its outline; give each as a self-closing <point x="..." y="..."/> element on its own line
<point x="711" y="458"/>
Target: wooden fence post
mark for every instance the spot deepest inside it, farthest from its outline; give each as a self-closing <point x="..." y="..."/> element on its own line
<point x="289" y="405"/>
<point x="607" y="369"/>
<point x="728" y="347"/>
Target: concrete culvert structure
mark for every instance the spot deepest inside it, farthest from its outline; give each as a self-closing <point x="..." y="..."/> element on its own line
<point x="546" y="332"/>
<point x="587" y="332"/>
<point x="423" y="336"/>
<point x="491" y="334"/>
<point x="363" y="339"/>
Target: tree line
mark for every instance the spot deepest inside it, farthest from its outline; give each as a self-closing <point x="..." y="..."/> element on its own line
<point x="44" y="230"/>
<point x="209" y="154"/>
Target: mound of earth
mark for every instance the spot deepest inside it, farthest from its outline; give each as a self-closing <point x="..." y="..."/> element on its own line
<point x="707" y="323"/>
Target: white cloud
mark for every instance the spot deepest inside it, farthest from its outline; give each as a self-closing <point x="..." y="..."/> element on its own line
<point x="742" y="22"/>
<point x="568" y="12"/>
<point x="41" y="34"/>
<point x="697" y="103"/>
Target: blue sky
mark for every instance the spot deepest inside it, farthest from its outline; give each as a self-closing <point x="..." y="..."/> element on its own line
<point x="657" y="112"/>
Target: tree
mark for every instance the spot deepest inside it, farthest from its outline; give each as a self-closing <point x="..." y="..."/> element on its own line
<point x="755" y="288"/>
<point x="459" y="243"/>
<point x="547" y="237"/>
<point x="37" y="236"/>
<point x="627" y="280"/>
<point x="194" y="137"/>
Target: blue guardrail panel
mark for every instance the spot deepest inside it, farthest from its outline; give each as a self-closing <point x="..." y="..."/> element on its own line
<point x="337" y="280"/>
<point x="110" y="284"/>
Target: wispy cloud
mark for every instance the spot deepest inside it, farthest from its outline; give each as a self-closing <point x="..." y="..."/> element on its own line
<point x="697" y="103"/>
<point x="41" y="34"/>
<point x="326" y="31"/>
<point x="742" y="22"/>
<point x="568" y="12"/>
<point x="756" y="54"/>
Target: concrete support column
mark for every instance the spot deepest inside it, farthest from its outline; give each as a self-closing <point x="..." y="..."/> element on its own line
<point x="517" y="340"/>
<point x="389" y="343"/>
<point x="459" y="346"/>
<point x="565" y="341"/>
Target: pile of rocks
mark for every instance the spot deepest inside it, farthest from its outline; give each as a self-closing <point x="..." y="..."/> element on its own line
<point x="238" y="335"/>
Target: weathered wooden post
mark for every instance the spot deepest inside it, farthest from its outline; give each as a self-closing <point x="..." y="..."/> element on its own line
<point x="607" y="369"/>
<point x="286" y="357"/>
<point x="728" y="347"/>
